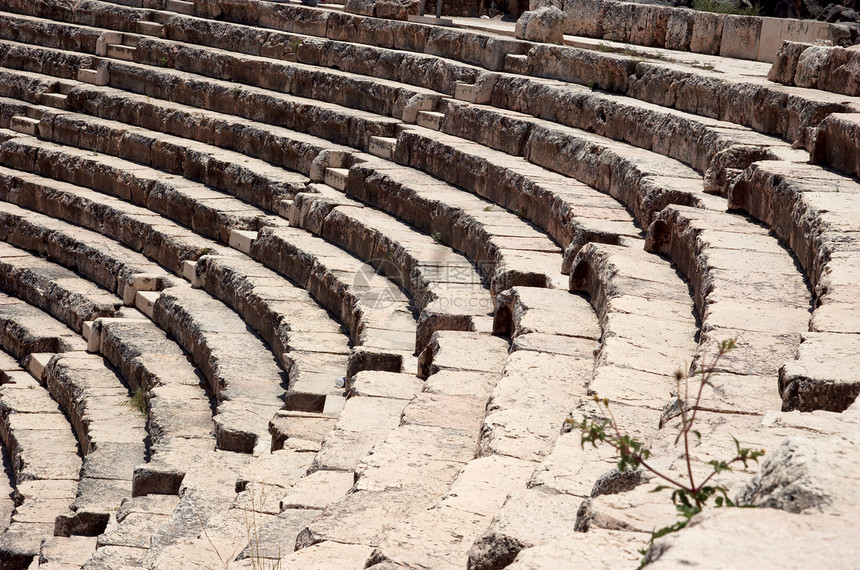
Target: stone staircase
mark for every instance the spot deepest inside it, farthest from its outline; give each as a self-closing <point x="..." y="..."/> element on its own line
<point x="357" y="273"/>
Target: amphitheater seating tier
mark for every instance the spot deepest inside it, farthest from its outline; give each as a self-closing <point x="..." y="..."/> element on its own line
<point x="299" y="287"/>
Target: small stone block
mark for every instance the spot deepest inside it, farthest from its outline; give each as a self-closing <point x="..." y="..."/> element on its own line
<point x="430" y="120"/>
<point x="145" y="301"/>
<point x="38" y="362"/>
<point x="242" y="240"/>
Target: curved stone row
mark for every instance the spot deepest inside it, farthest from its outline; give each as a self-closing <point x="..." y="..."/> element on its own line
<point x="411" y="530"/>
<point x="731" y="264"/>
<point x="813" y="211"/>
<point x="43" y="449"/>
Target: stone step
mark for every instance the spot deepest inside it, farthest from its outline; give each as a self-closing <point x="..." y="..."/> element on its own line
<point x="727" y="257"/>
<point x="835" y="144"/>
<point x="443" y="285"/>
<point x="336" y="178"/>
<point x="377" y="314"/>
<point x="225" y="351"/>
<point x="150" y="29"/>
<point x="24" y="125"/>
<point x="45" y="460"/>
<point x="180" y="7"/>
<point x="364" y="422"/>
<point x="100" y="76"/>
<point x="430" y="120"/>
<point x="812" y="211"/>
<point x="177" y="408"/>
<point x="383" y="147"/>
<point x="63" y="552"/>
<point x="111" y="434"/>
<point x="56" y="100"/>
<point x="562" y="352"/>
<point x="120" y="51"/>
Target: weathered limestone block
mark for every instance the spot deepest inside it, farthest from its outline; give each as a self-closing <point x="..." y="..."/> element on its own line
<point x="679" y="29"/>
<point x="528" y="518"/>
<point x="396" y="9"/>
<point x="808" y="475"/>
<point x="360" y="7"/>
<point x="810" y="65"/>
<point x="729" y="538"/>
<point x="836" y="143"/>
<point x="740" y="36"/>
<point x="785" y="65"/>
<point x="707" y="33"/>
<point x="650" y="25"/>
<point x="598" y="549"/>
<point x="542" y="25"/>
<point x="822" y="377"/>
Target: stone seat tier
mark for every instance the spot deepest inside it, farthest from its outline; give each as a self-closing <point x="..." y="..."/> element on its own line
<point x="43" y="450"/>
<point x="483" y="139"/>
<point x="679" y="191"/>
<point x="171" y="392"/>
<point x="506" y="249"/>
<point x="266" y="300"/>
<point x="204" y="210"/>
<point x="111" y="433"/>
<point x="91" y="394"/>
<point x="746" y="287"/>
<point x="788" y="112"/>
<point x="309" y="343"/>
<point x="648" y="322"/>
<point x="245" y="178"/>
<point x="377" y="96"/>
<point x="195" y="319"/>
<point x="135" y="227"/>
<point x="27" y="330"/>
<point x="814" y="212"/>
<point x="549" y="246"/>
<point x="54" y="289"/>
<point x="584" y="227"/>
<point x="278" y="146"/>
<point x="606" y="114"/>
<point x="445" y="287"/>
<point x="654" y="191"/>
<point x="374" y="310"/>
<point x="339" y="124"/>
<point x="614" y="72"/>
<point x="243" y="375"/>
<point x="539" y="97"/>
